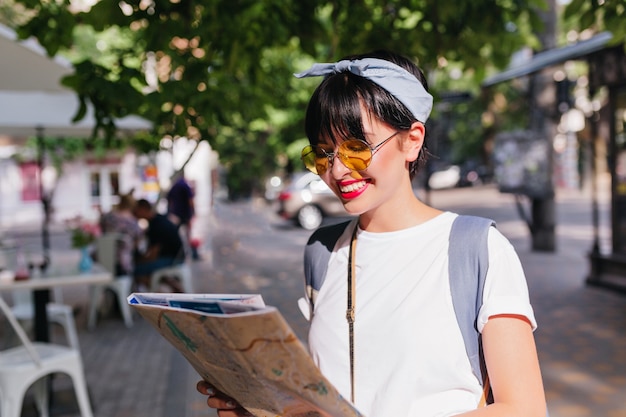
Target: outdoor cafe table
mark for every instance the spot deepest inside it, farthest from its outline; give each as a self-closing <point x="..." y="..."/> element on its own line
<point x="54" y="277"/>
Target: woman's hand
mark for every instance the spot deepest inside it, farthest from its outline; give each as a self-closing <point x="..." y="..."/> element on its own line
<point x="225" y="406"/>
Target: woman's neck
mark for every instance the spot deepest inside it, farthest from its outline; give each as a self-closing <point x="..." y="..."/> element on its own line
<point x="397" y="215"/>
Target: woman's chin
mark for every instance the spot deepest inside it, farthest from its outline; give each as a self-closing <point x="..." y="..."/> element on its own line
<point x="353" y="209"/>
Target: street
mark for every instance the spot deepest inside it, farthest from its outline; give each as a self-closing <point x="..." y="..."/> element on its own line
<point x="581" y="336"/>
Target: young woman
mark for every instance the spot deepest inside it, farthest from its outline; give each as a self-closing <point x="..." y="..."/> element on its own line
<point x="365" y="124"/>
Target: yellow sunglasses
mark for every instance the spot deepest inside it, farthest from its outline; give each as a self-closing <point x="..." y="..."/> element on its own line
<point x="355" y="154"/>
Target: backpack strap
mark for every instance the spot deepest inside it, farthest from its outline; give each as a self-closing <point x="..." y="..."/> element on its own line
<point x="316" y="256"/>
<point x="468" y="254"/>
<point x="468" y="261"/>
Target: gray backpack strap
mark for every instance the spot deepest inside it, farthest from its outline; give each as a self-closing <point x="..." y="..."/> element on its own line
<point x="468" y="261"/>
<point x="316" y="256"/>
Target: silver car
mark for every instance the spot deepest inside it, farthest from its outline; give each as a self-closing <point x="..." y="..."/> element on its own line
<point x="306" y="199"/>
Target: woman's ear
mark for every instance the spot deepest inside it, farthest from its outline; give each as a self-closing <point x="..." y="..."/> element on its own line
<point x="414" y="141"/>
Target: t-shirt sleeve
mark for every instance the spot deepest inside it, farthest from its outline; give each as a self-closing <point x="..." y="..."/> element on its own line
<point x="506" y="290"/>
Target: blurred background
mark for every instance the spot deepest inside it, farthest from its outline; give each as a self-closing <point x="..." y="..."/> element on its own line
<point x="102" y="99"/>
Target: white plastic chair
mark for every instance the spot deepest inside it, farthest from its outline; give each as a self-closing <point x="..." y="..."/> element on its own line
<point x="121" y="284"/>
<point x="181" y="272"/>
<point x="30" y="363"/>
<point x="59" y="313"/>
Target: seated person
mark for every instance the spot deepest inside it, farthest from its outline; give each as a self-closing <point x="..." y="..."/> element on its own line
<point x="164" y="246"/>
<point x="122" y="222"/>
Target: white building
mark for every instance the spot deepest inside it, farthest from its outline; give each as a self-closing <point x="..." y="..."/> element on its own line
<point x="33" y="102"/>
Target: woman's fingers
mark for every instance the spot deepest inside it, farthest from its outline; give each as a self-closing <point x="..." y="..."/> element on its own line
<point x="205" y="388"/>
<point x="226" y="406"/>
<point x="239" y="412"/>
<point x="222" y="402"/>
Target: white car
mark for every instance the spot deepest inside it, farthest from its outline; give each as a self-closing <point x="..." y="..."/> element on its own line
<point x="445" y="178"/>
<point x="306" y="199"/>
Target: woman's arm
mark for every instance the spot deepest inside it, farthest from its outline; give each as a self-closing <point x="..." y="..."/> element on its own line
<point x="513" y="367"/>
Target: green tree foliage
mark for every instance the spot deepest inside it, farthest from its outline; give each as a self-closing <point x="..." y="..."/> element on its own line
<point x="221" y="70"/>
<point x="473" y="34"/>
<point x="598" y="16"/>
<point x="12" y="14"/>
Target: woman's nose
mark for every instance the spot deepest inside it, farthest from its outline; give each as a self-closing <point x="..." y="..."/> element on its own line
<point x="337" y="167"/>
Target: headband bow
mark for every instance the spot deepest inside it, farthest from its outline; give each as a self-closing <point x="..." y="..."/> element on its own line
<point x="399" y="82"/>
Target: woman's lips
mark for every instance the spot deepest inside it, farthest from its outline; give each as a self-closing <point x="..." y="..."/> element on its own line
<point x="352" y="189"/>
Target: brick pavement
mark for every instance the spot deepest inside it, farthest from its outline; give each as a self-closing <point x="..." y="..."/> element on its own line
<point x="581" y="338"/>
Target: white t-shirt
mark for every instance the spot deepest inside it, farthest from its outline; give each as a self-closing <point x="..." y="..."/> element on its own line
<point x="410" y="358"/>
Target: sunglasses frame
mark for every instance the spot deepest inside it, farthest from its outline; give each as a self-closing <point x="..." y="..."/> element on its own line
<point x="342" y="156"/>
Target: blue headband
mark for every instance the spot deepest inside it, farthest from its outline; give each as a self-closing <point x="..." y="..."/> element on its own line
<point x="399" y="82"/>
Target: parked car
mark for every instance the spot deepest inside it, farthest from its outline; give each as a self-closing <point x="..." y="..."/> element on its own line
<point x="444" y="176"/>
<point x="474" y="173"/>
<point x="467" y="174"/>
<point x="273" y="187"/>
<point x="307" y="200"/>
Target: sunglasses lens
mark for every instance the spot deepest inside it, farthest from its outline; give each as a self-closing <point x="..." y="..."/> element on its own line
<point x="314" y="159"/>
<point x="355" y="154"/>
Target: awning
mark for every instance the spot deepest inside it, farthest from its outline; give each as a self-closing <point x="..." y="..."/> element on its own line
<point x="551" y="57"/>
<point x="25" y="66"/>
<point x="23" y="112"/>
<point x="32" y="97"/>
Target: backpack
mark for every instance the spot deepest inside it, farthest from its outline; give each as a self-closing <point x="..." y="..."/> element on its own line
<point x="467" y="269"/>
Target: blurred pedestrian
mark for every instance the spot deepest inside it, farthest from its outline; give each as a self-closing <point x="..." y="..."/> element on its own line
<point x="180" y="205"/>
<point x="123" y="223"/>
<point x="164" y="246"/>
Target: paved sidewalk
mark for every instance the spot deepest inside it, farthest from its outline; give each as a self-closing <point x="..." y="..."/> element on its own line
<point x="581" y="336"/>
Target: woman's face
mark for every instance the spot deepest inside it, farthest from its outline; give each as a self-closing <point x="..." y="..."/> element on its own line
<point x="383" y="183"/>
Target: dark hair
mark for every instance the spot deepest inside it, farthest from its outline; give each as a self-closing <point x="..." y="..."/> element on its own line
<point x="143" y="204"/>
<point x="334" y="110"/>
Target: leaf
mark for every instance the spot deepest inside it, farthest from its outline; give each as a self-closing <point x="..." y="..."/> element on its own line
<point x="576" y="8"/>
<point x="82" y="109"/>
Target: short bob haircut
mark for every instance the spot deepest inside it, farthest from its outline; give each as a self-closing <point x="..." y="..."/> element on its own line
<point x="334" y="111"/>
